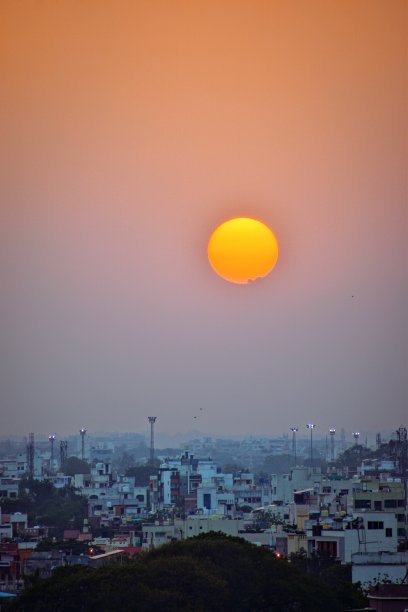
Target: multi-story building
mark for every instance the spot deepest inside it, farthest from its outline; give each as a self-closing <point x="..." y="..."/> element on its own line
<point x="9" y="487"/>
<point x="365" y="532"/>
<point x="15" y="467"/>
<point x="382" y="496"/>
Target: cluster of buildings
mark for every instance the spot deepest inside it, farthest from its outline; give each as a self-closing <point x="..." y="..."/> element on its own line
<point x="359" y="519"/>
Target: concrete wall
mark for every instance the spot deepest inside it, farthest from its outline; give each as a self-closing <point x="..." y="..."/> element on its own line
<point x="372" y="567"/>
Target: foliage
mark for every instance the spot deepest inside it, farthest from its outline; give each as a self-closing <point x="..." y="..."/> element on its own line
<point x="353" y="456"/>
<point x="339" y="578"/>
<point x="73" y="466"/>
<point x="142" y="474"/>
<point x="232" y="468"/>
<point x="278" y="464"/>
<point x="318" y="462"/>
<point x="245" y="509"/>
<point x="122" y="462"/>
<point x="72" y="547"/>
<point x="212" y="572"/>
<point x="58" y="509"/>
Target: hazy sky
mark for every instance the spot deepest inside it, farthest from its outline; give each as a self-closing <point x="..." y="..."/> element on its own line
<point x="129" y="131"/>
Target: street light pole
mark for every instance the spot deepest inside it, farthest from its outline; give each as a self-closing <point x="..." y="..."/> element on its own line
<point x="332" y="433"/>
<point x="294" y="430"/>
<point x="52" y="440"/>
<point x="311" y="426"/>
<point x="82" y="432"/>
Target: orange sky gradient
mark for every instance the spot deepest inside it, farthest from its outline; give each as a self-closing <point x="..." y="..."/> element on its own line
<point x="129" y="131"/>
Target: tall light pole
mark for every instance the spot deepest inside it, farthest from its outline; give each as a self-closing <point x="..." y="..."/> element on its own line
<point x="311" y="426"/>
<point x="294" y="430"/>
<point x="82" y="432"/>
<point x="52" y="440"/>
<point x="356" y="435"/>
<point x="332" y="433"/>
<point x="152" y="421"/>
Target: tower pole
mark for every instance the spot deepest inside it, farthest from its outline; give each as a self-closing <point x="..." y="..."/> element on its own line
<point x="152" y="420"/>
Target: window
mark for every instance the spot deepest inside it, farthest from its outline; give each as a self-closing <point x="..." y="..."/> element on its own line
<point x="390" y="503"/>
<point x="388" y="532"/>
<point x="328" y="548"/>
<point x="377" y="505"/>
<point x="207" y="501"/>
<point x="362" y="503"/>
<point x="375" y="525"/>
<point x="400" y="518"/>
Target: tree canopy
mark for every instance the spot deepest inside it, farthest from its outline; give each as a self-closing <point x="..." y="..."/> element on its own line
<point x="58" y="509"/>
<point x="141" y="474"/>
<point x="74" y="465"/>
<point x="212" y="572"/>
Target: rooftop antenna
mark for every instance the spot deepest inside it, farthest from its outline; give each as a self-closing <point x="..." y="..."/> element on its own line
<point x="152" y="420"/>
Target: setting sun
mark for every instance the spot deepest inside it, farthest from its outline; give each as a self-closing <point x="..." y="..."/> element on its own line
<point x="242" y="250"/>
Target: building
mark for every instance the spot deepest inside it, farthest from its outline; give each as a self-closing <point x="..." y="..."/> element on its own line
<point x="363" y="533"/>
<point x="382" y="496"/>
<point x="389" y="598"/>
<point x="375" y="567"/>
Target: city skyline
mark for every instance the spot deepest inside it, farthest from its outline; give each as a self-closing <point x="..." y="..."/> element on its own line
<point x="130" y="131"/>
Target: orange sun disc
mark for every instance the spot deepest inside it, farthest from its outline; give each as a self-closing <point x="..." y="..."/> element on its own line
<point x="242" y="250"/>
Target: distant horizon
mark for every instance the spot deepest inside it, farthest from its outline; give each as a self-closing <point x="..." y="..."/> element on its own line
<point x="190" y="436"/>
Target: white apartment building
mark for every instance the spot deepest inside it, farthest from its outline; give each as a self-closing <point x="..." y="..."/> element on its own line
<point x="364" y="533"/>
